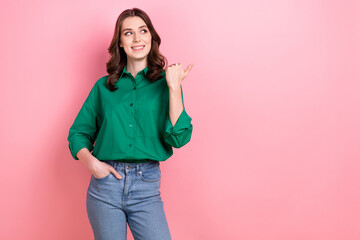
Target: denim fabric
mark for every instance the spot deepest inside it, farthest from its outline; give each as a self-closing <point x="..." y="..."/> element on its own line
<point x="135" y="199"/>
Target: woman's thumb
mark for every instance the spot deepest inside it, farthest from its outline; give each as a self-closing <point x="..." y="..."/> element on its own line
<point x="116" y="173"/>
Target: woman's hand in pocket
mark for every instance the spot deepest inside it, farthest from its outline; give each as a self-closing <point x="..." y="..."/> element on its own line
<point x="101" y="169"/>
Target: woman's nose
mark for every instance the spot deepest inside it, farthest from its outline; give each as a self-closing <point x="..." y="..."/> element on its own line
<point x="136" y="37"/>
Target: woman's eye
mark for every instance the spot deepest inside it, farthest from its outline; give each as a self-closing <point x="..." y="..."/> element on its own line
<point x="126" y="33"/>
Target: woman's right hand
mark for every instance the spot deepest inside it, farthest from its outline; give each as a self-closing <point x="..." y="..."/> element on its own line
<point x="101" y="169"/>
<point x="98" y="168"/>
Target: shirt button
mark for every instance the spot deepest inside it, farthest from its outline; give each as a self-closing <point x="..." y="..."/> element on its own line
<point x="130" y="125"/>
<point x="131" y="104"/>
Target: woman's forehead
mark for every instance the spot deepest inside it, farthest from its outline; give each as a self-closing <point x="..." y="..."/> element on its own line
<point x="133" y="22"/>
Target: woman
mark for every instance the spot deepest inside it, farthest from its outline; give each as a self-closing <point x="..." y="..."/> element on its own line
<point x="136" y="114"/>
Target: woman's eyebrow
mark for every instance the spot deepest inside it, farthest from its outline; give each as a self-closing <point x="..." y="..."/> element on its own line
<point x="131" y="28"/>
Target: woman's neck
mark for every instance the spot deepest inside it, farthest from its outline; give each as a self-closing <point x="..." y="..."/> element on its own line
<point x="135" y="67"/>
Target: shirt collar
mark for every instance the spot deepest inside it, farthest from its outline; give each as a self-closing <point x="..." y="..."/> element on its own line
<point x="144" y="71"/>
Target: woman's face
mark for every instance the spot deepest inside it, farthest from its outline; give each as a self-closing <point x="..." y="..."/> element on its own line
<point x="135" y="38"/>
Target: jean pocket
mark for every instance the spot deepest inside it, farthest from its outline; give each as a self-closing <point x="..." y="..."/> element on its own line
<point x="102" y="178"/>
<point x="151" y="174"/>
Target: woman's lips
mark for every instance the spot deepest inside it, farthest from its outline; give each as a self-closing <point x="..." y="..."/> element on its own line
<point x="138" y="48"/>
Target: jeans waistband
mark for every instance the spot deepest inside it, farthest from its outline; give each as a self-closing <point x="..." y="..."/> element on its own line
<point x="137" y="165"/>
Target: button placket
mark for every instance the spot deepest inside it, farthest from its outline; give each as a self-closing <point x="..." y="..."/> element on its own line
<point x="132" y="111"/>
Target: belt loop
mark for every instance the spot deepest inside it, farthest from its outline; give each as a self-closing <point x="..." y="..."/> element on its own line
<point x="137" y="169"/>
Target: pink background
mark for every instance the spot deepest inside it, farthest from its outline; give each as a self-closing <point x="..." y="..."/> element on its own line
<point x="274" y="96"/>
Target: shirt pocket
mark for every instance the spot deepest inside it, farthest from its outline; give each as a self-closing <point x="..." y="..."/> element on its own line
<point x="150" y="117"/>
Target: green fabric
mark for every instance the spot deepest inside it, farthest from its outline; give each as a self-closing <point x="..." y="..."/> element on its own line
<point x="130" y="123"/>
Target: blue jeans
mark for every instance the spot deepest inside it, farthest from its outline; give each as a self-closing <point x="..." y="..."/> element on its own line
<point x="135" y="199"/>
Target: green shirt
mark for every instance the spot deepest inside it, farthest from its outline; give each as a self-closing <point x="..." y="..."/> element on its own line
<point x="131" y="124"/>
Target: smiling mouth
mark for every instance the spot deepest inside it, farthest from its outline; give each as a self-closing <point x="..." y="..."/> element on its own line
<point x="138" y="47"/>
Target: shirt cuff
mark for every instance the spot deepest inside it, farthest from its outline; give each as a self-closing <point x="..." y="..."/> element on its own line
<point x="76" y="146"/>
<point x="183" y="122"/>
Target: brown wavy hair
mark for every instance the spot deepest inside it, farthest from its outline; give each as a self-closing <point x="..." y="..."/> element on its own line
<point x="156" y="61"/>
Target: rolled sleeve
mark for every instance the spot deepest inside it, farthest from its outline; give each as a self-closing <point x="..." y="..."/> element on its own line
<point x="82" y="133"/>
<point x="77" y="144"/>
<point x="179" y="134"/>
